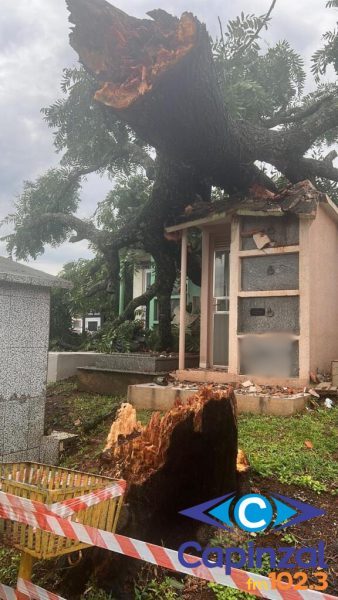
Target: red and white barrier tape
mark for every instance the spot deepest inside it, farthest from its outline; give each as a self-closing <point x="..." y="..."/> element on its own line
<point x="7" y="593"/>
<point x="66" y="508"/>
<point x="39" y="516"/>
<point x="26" y="589"/>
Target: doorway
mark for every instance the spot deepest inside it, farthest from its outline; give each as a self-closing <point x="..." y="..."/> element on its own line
<point x="220" y="309"/>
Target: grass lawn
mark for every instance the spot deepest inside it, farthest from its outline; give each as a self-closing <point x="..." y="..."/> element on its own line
<point x="276" y="447"/>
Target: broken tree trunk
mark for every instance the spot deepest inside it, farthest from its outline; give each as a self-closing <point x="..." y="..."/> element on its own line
<point x="180" y="459"/>
<point x="159" y="76"/>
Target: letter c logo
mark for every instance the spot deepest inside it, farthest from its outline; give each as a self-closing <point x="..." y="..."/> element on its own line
<point x="253" y="512"/>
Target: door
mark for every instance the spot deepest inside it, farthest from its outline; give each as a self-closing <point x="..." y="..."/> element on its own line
<point x="220" y="313"/>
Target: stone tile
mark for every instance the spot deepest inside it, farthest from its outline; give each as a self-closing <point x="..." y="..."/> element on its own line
<point x="33" y="454"/>
<point x="50" y="450"/>
<point x="4" y="392"/>
<point x="40" y="331"/>
<point x="38" y="380"/>
<point x="36" y="421"/>
<point x="5" y="304"/>
<point x="2" y="424"/>
<point x="36" y="407"/>
<point x="18" y="290"/>
<point x="14" y="457"/>
<point x="16" y="426"/>
<point x="23" y="310"/>
<point x="35" y="432"/>
<point x="19" y="372"/>
<point x="5" y="288"/>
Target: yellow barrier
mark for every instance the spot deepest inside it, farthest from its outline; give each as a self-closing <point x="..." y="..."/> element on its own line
<point x="49" y="484"/>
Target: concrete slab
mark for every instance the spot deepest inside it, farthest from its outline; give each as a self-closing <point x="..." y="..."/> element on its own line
<point x="157" y="397"/>
<point x="280" y="406"/>
<point x="150" y="396"/>
<point x="110" y="382"/>
<point x="62" y="365"/>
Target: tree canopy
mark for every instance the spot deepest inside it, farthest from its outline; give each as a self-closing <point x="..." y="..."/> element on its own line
<point x="169" y="116"/>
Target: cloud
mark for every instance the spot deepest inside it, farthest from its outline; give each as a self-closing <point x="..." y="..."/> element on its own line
<point x="34" y="49"/>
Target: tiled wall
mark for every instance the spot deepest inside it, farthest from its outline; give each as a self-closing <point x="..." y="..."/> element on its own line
<point x="24" y="331"/>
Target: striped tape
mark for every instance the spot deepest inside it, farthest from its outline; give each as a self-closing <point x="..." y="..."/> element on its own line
<point x="26" y="589"/>
<point x="7" y="593"/>
<point x="39" y="516"/>
<point x="66" y="508"/>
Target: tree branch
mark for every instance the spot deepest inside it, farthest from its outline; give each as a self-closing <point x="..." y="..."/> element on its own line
<point x="302" y="135"/>
<point x="100" y="286"/>
<point x="296" y="113"/>
<point x="84" y="229"/>
<point x="140" y="155"/>
<point x="141" y="300"/>
<point x="309" y="168"/>
<point x="254" y="37"/>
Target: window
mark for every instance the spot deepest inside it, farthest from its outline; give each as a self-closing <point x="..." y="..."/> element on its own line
<point x="221" y="279"/>
<point x="92" y="325"/>
<point x="156" y="312"/>
<point x="196" y="305"/>
<point x="147" y="274"/>
<point x="175" y="304"/>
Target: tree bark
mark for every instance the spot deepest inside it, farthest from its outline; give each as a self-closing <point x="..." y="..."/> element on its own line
<point x="186" y="457"/>
<point x="159" y="76"/>
<point x="161" y="80"/>
<point x="166" y="273"/>
<point x="183" y="458"/>
<point x="175" y="186"/>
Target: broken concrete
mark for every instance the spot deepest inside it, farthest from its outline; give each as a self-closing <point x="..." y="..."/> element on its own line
<point x="156" y="397"/>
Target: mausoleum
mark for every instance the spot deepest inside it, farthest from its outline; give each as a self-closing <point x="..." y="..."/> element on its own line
<point x="24" y="336"/>
<point x="269" y="285"/>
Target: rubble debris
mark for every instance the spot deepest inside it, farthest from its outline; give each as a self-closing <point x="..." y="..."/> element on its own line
<point x="246" y="387"/>
<point x="325" y="387"/>
<point x="247" y="384"/>
<point x="261" y="240"/>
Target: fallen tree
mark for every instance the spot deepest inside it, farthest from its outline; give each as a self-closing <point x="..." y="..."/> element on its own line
<point x="211" y="112"/>
<point x="159" y="76"/>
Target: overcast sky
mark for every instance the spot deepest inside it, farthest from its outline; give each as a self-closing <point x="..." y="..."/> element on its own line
<point x="34" y="49"/>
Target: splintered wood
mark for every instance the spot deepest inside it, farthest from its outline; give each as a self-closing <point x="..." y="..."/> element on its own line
<point x="124" y="426"/>
<point x="126" y="54"/>
<point x="136" y="452"/>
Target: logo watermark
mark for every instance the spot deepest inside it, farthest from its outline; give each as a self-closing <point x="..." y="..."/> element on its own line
<point x="253" y="512"/>
<point x="257" y="513"/>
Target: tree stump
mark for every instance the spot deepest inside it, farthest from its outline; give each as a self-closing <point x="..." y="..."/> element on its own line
<point x="182" y="458"/>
